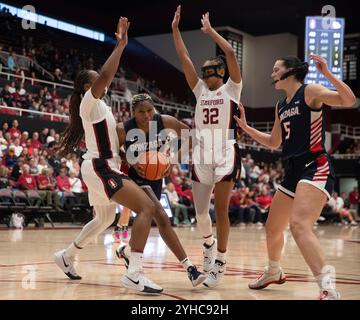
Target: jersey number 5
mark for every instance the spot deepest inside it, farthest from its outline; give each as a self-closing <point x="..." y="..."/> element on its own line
<point x="211" y="116"/>
<point x="287" y="129"/>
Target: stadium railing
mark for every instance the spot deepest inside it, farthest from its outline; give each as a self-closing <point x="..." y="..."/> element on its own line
<point x="25" y="63"/>
<point x="346" y="131"/>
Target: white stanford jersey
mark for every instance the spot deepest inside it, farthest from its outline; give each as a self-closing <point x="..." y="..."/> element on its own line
<point x="214" y="114"/>
<point x="100" y="128"/>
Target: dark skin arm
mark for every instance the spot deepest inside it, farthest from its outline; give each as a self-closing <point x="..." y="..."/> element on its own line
<point x="122" y="138"/>
<point x="176" y="125"/>
<point x="169" y="123"/>
<point x="111" y="65"/>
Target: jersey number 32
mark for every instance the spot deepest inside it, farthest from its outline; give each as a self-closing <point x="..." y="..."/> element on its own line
<point x="211" y="116"/>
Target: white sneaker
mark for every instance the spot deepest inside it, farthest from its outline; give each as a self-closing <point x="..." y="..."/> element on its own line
<point x="209" y="256"/>
<point x="267" y="278"/>
<point x="329" y="295"/>
<point x="66" y="264"/>
<point x="215" y="274"/>
<point x="353" y="223"/>
<point x="138" y="281"/>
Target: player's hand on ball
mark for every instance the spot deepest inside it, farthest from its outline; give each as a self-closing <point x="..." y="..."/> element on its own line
<point x="139" y="169"/>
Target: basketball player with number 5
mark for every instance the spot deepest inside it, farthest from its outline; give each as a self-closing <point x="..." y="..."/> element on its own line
<point x="221" y="164"/>
<point x="309" y="177"/>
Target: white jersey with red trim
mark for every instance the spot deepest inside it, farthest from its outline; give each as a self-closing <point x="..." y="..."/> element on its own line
<point x="214" y="114"/>
<point x="100" y="128"/>
<point x="215" y="126"/>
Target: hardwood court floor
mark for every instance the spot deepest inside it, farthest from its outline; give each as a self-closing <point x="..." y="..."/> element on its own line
<point x="27" y="270"/>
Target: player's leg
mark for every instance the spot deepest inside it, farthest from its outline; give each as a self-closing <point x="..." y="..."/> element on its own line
<point x="222" y="199"/>
<point x="202" y="195"/>
<point x="104" y="217"/>
<point x="308" y="204"/>
<point x="134" y="198"/>
<point x="276" y="223"/>
<point x="170" y="238"/>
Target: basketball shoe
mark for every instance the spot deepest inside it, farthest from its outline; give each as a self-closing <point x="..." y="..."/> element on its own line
<point x="66" y="264"/>
<point x="137" y="281"/>
<point x="195" y="276"/>
<point x="209" y="253"/>
<point x="329" y="295"/>
<point x="267" y="278"/>
<point x="215" y="275"/>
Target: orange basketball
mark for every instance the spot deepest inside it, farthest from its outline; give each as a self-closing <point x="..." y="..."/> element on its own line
<point x="154" y="164"/>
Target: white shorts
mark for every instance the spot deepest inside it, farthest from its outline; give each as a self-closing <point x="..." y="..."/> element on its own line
<point x="103" y="179"/>
<point x="228" y="169"/>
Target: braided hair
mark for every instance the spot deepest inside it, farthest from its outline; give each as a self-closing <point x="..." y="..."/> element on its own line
<point x="137" y="98"/>
<point x="74" y="132"/>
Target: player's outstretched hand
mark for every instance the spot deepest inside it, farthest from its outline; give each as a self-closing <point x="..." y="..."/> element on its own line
<point x="121" y="33"/>
<point x="242" y="120"/>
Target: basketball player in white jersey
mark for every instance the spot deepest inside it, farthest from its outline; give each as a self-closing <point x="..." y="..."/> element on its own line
<point x="216" y="162"/>
<point x="107" y="185"/>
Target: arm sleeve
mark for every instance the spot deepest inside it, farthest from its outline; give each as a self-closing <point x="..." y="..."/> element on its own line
<point x="92" y="109"/>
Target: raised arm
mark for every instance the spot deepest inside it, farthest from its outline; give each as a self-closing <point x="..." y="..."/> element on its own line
<point x="272" y="140"/>
<point x="233" y="66"/>
<point x="186" y="63"/>
<point x="317" y="94"/>
<point x="111" y="65"/>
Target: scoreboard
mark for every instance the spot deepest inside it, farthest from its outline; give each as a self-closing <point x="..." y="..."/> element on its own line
<point x="324" y="36"/>
<point x="351" y="64"/>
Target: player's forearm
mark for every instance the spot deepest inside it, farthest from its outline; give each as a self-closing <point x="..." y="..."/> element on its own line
<point x="347" y="97"/>
<point x="180" y="47"/>
<point x="260" y="137"/>
<point x="111" y="65"/>
<point x="224" y="45"/>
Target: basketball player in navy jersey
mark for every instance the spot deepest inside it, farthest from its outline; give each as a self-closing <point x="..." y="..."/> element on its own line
<point x="309" y="176"/>
<point x="129" y="133"/>
<point x="91" y="118"/>
<point x="216" y="155"/>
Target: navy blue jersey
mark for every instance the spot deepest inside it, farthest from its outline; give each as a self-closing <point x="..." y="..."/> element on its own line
<point x="303" y="128"/>
<point x="138" y="147"/>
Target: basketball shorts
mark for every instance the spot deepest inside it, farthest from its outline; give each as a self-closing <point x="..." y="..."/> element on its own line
<point x="225" y="169"/>
<point x="155" y="185"/>
<point x="316" y="170"/>
<point x="103" y="179"/>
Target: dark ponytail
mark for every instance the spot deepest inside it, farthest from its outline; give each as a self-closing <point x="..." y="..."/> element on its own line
<point x="74" y="132"/>
<point x="298" y="68"/>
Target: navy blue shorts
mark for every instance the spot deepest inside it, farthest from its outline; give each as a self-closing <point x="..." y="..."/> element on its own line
<point x="316" y="170"/>
<point x="156" y="185"/>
